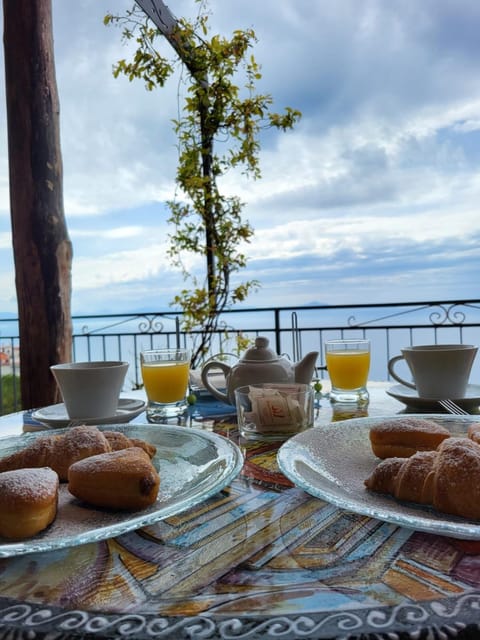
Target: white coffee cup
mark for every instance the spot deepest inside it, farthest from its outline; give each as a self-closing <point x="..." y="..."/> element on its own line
<point x="90" y="389"/>
<point x="439" y="370"/>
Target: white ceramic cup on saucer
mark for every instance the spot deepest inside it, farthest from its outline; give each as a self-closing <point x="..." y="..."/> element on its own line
<point x="439" y="371"/>
<point x="90" y="389"/>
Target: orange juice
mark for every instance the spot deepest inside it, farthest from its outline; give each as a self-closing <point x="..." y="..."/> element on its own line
<point x="348" y="369"/>
<point x="165" y="381"/>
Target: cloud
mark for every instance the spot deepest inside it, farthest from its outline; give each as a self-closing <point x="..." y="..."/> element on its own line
<point x="374" y="195"/>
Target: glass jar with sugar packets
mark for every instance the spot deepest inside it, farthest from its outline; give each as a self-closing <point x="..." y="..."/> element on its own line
<point x="272" y="411"/>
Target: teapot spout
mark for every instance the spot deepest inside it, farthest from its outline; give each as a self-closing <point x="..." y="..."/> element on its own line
<point x="305" y="368"/>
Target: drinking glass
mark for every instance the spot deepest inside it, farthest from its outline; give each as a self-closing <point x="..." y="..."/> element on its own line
<point x="165" y="377"/>
<point x="274" y="411"/>
<point x="348" y="364"/>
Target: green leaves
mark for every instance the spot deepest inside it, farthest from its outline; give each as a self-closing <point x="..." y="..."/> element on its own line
<point x="218" y="130"/>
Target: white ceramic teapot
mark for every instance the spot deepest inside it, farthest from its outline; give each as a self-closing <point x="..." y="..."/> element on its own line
<point x="259" y="364"/>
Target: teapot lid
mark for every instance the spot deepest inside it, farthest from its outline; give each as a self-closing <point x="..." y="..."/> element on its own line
<point x="260" y="352"/>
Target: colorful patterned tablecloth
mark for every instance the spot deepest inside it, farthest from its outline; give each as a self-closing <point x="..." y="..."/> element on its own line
<point x="261" y="559"/>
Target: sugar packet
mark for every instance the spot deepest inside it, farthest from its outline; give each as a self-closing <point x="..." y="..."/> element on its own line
<point x="276" y="408"/>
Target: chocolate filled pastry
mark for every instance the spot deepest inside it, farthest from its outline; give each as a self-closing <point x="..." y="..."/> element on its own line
<point x="59" y="452"/>
<point x="447" y="479"/>
<point x="28" y="502"/>
<point x="402" y="437"/>
<point x="124" y="480"/>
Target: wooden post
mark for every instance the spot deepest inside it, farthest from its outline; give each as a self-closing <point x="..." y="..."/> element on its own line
<point x="42" y="248"/>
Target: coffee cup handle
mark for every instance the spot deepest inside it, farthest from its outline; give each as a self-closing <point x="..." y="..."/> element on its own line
<point x="391" y="364"/>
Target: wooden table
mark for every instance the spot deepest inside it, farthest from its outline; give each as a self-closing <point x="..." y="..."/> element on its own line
<point x="261" y="559"/>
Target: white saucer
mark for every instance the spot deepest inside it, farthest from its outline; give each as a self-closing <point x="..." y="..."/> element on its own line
<point x="56" y="415"/>
<point x="410" y="397"/>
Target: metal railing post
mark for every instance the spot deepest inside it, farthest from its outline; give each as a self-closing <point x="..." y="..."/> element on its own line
<point x="278" y="346"/>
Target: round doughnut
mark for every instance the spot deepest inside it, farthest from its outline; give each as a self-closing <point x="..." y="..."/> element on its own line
<point x="125" y="480"/>
<point x="402" y="437"/>
<point x="28" y="501"/>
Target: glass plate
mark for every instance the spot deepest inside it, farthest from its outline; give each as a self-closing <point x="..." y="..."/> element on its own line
<point x="193" y="465"/>
<point x="333" y="460"/>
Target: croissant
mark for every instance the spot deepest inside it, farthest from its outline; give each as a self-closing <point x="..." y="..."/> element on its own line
<point x="474" y="432"/>
<point x="447" y="479"/>
<point x="119" y="441"/>
<point x="59" y="452"/>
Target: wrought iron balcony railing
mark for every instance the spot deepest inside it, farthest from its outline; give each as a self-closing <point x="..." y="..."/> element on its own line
<point x="292" y="330"/>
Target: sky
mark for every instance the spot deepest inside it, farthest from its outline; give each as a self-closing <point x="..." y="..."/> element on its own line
<point x="372" y="198"/>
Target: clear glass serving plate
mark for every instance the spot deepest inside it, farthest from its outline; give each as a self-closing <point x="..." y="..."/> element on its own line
<point x="332" y="461"/>
<point x="193" y="465"/>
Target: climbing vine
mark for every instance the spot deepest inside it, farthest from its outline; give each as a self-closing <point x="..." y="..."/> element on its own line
<point x="217" y="131"/>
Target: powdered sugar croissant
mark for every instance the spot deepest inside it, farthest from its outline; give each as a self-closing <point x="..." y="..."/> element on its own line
<point x="447" y="479"/>
<point x="60" y="451"/>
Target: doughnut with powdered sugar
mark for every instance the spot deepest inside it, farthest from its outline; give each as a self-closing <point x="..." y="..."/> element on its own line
<point x="28" y="501"/>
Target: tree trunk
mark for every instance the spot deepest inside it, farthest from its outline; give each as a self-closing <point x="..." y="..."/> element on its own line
<point x="42" y="248"/>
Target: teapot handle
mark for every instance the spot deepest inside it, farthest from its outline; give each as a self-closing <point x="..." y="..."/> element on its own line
<point x="206" y="382"/>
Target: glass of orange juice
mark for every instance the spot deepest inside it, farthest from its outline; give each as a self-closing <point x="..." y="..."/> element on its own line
<point x="348" y="364"/>
<point x="165" y="377"/>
